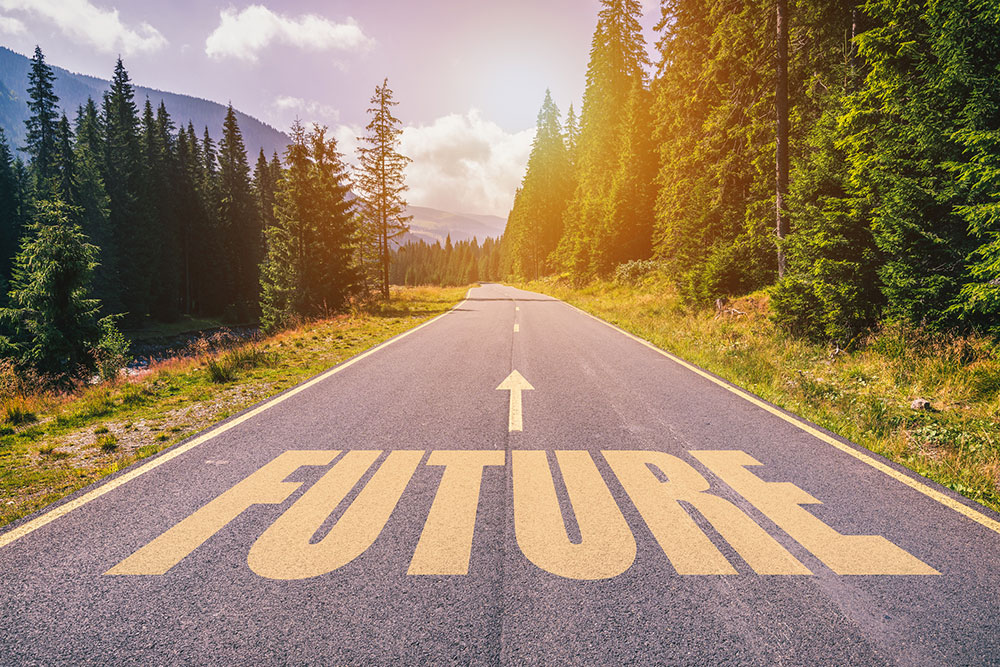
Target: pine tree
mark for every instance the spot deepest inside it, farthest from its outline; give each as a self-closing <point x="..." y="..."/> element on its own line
<point x="831" y="290"/>
<point x="618" y="59"/>
<point x="535" y="227"/>
<point x="380" y="184"/>
<point x="52" y="322"/>
<point x="159" y="199"/>
<point x="931" y="89"/>
<point x="633" y="191"/>
<point x="264" y="186"/>
<point x="714" y="119"/>
<point x="310" y="267"/>
<point x="332" y="273"/>
<point x="42" y="123"/>
<point x="10" y="215"/>
<point x="240" y="226"/>
<point x="214" y="280"/>
<point x="63" y="176"/>
<point x="123" y="175"/>
<point x="572" y="136"/>
<point x="93" y="205"/>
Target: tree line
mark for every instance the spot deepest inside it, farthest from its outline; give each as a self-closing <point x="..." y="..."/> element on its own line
<point x="843" y="155"/>
<point x="453" y="264"/>
<point x="120" y="216"/>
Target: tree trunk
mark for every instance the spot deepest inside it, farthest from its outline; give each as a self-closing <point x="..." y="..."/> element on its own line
<point x="781" y="144"/>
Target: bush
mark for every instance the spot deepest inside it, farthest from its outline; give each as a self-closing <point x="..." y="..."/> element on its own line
<point x="111" y="354"/>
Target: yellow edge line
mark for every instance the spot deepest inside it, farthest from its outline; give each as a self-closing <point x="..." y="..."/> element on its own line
<point x="63" y="510"/>
<point x="934" y="494"/>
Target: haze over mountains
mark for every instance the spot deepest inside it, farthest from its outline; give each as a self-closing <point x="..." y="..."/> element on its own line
<point x="432" y="225"/>
<point x="73" y="89"/>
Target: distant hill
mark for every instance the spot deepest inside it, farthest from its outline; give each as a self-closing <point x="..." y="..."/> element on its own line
<point x="74" y="89"/>
<point x="432" y="225"/>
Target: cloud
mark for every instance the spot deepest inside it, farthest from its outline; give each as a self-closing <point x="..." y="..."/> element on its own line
<point x="244" y="34"/>
<point x="86" y="23"/>
<point x="465" y="164"/>
<point x="11" y="26"/>
<point x="307" y="110"/>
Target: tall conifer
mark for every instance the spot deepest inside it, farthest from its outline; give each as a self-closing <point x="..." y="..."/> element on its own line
<point x="618" y="59"/>
<point x="380" y="183"/>
<point x="42" y="123"/>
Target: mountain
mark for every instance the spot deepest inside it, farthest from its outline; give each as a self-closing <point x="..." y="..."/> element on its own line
<point x="430" y="225"/>
<point x="74" y="89"/>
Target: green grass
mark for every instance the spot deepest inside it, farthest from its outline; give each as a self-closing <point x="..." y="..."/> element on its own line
<point x="70" y="441"/>
<point x="863" y="395"/>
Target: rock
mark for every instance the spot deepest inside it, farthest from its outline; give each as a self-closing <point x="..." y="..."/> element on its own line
<point x="921" y="404"/>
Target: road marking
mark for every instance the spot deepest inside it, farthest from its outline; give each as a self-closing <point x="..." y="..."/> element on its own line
<point x="782" y="503"/>
<point x="515" y="384"/>
<point x="517" y="307"/>
<point x="286" y="551"/>
<point x="445" y="545"/>
<point x="664" y="488"/>
<point x="687" y="547"/>
<point x="517" y="327"/>
<point x="606" y="547"/>
<point x="171" y="454"/>
<point x="934" y="494"/>
<point x="264" y="487"/>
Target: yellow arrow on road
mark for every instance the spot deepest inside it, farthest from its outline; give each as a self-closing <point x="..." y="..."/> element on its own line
<point x="515" y="384"/>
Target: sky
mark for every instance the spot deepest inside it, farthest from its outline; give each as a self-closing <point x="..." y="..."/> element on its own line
<point x="469" y="75"/>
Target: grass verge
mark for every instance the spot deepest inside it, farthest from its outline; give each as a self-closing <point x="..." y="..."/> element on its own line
<point x="53" y="445"/>
<point x="864" y="395"/>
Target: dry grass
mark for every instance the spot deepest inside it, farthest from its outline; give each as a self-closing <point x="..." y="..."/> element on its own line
<point x="863" y="395"/>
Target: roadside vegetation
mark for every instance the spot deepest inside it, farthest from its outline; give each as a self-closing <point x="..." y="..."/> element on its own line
<point x="55" y="442"/>
<point x="865" y="394"/>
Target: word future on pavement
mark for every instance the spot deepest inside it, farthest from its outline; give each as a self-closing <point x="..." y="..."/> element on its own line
<point x="607" y="548"/>
<point x="425" y="502"/>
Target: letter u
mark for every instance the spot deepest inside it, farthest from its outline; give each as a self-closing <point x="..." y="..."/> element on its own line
<point x="607" y="547"/>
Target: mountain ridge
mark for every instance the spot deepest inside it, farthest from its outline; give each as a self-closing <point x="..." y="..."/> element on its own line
<point x="73" y="90"/>
<point x="434" y="225"/>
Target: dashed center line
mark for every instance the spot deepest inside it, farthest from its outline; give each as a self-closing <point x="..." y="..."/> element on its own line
<point x="517" y="327"/>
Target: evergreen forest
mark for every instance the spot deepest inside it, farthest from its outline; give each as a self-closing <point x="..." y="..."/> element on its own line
<point x="123" y="216"/>
<point x="842" y="156"/>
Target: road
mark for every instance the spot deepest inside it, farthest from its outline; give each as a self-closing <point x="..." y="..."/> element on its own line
<point x="605" y="504"/>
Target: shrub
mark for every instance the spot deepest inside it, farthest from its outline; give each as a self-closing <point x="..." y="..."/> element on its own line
<point x="112" y="352"/>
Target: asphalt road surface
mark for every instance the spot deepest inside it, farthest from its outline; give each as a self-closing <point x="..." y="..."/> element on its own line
<point x="605" y="504"/>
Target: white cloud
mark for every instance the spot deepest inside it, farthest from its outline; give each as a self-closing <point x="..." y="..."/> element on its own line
<point x="465" y="164"/>
<point x="244" y="34"/>
<point x="307" y="110"/>
<point x="86" y="23"/>
<point x="11" y="26"/>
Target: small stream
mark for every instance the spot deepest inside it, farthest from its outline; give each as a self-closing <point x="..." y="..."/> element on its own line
<point x="187" y="344"/>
